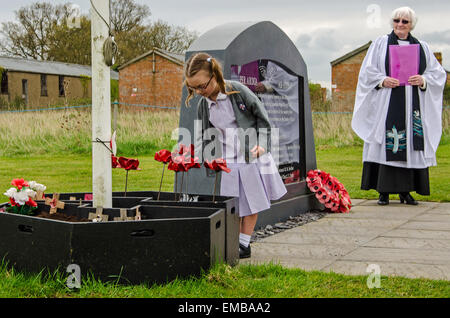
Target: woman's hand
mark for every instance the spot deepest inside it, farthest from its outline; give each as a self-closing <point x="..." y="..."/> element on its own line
<point x="257" y="151"/>
<point x="390" y="82"/>
<point x="416" y="80"/>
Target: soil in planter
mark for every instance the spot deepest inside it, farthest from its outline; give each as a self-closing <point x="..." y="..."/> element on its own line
<point x="61" y="217"/>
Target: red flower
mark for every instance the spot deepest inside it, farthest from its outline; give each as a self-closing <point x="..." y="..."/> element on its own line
<point x="315" y="186"/>
<point x="173" y="166"/>
<point x="114" y="162"/>
<point x="217" y="165"/>
<point x="31" y="203"/>
<point x="193" y="163"/>
<point x="183" y="150"/>
<point x="179" y="163"/>
<point x="128" y="163"/>
<point x="322" y="195"/>
<point x="19" y="183"/>
<point x="164" y="156"/>
<point x="13" y="203"/>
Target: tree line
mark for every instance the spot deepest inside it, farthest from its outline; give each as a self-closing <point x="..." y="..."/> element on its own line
<point x="58" y="32"/>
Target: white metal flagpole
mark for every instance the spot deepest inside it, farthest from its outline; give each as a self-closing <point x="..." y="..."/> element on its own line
<point x="101" y="107"/>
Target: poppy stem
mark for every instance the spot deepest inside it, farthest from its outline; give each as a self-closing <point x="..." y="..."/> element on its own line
<point x="187" y="182"/>
<point x="181" y="188"/>
<point x="160" y="184"/>
<point x="126" y="183"/>
<point x="215" y="184"/>
<point x="176" y="185"/>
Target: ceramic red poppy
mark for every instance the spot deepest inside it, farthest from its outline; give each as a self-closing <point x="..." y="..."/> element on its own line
<point x="193" y="163"/>
<point x="163" y="156"/>
<point x="128" y="163"/>
<point x="114" y="162"/>
<point x="178" y="163"/>
<point x="217" y="165"/>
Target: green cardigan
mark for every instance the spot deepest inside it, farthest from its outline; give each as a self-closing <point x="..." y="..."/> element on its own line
<point x="249" y="112"/>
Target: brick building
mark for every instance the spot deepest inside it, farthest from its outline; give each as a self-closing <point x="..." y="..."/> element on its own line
<point x="154" y="78"/>
<point x="43" y="83"/>
<point x="344" y="77"/>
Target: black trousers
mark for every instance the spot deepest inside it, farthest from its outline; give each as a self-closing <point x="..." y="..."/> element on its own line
<point x="388" y="179"/>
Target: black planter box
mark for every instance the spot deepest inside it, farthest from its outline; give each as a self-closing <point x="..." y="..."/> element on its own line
<point x="168" y="242"/>
<point x="230" y="205"/>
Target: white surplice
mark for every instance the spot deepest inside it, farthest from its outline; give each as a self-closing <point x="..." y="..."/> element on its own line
<point x="371" y="107"/>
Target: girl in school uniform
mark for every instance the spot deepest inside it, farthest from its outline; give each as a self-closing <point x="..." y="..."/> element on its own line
<point x="232" y="113"/>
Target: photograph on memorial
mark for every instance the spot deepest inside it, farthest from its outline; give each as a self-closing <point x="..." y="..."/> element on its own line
<point x="278" y="89"/>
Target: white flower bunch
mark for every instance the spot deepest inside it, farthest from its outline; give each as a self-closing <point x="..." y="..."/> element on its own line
<point x="37" y="186"/>
<point x="20" y="197"/>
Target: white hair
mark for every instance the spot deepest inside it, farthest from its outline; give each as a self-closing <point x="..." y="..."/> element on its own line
<point x="404" y="12"/>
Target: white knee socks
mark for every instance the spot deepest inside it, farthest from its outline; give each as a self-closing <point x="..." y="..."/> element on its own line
<point x="244" y="239"/>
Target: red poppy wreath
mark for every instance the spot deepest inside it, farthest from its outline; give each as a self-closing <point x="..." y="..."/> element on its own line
<point x="329" y="191"/>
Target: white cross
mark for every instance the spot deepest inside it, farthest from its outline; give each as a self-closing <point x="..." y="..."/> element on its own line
<point x="394" y="134"/>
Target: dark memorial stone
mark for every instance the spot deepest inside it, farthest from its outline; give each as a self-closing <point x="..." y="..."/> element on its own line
<point x="261" y="56"/>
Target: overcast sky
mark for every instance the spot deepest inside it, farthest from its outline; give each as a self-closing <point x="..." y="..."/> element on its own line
<point x="322" y="30"/>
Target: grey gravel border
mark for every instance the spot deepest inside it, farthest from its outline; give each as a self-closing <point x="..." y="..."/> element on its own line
<point x="293" y="221"/>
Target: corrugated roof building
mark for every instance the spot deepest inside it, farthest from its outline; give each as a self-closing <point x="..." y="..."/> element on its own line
<point x="44" y="83"/>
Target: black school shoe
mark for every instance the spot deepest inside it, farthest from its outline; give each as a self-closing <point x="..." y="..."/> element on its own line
<point x="244" y="252"/>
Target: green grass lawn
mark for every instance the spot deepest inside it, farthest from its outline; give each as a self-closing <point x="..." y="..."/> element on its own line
<point x="223" y="281"/>
<point x="72" y="173"/>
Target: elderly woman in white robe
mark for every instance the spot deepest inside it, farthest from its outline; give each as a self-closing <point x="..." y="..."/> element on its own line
<point x="400" y="124"/>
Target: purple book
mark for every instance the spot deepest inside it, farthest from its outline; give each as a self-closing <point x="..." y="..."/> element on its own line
<point x="404" y="62"/>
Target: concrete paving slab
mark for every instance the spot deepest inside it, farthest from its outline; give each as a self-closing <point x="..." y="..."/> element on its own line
<point x="399" y="255"/>
<point x="433" y="217"/>
<point x="369" y="223"/>
<point x="414" y="243"/>
<point x="409" y="241"/>
<point x="361" y="212"/>
<point x="346" y="230"/>
<point x="356" y="202"/>
<point x="263" y="250"/>
<point x="439" y="272"/>
<point x="422" y="225"/>
<point x="420" y="234"/>
<point x="289" y="237"/>
<point x="395" y="203"/>
<point x="443" y="208"/>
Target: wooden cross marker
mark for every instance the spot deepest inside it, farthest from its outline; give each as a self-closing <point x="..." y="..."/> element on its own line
<point x="98" y="216"/>
<point x="138" y="214"/>
<point x="39" y="195"/>
<point x="123" y="216"/>
<point x="54" y="203"/>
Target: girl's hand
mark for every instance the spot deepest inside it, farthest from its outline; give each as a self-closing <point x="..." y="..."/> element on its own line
<point x="416" y="80"/>
<point x="257" y="151"/>
<point x="390" y="82"/>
